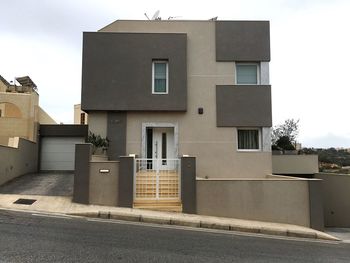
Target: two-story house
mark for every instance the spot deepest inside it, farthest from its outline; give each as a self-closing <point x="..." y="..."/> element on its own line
<point x="163" y="89"/>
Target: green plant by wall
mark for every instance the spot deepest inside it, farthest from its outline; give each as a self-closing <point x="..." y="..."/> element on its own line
<point x="98" y="142"/>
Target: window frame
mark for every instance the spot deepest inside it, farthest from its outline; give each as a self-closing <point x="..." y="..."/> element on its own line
<point x="257" y="64"/>
<point x="259" y="139"/>
<point x="166" y="62"/>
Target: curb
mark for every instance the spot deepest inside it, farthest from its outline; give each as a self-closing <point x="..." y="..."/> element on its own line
<point x="209" y="224"/>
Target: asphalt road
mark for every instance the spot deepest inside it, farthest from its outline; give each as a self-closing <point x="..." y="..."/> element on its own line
<point x="35" y="238"/>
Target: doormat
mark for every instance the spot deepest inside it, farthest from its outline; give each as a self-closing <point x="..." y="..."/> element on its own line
<point x="23" y="201"/>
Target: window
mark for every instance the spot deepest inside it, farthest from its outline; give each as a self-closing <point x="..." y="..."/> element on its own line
<point x="247" y="73"/>
<point x="160" y="77"/>
<point x="248" y="139"/>
<point x="82" y="118"/>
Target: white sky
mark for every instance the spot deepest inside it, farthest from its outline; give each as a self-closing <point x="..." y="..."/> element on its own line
<point x="310" y="52"/>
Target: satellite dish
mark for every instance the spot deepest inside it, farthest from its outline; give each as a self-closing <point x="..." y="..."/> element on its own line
<point x="146" y="16"/>
<point x="155" y="16"/>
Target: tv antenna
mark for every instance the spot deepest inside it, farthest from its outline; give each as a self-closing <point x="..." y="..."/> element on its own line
<point x="173" y="17"/>
<point x="155" y="16"/>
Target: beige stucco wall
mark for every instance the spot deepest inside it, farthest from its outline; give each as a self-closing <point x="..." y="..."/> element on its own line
<point x="274" y="200"/>
<point x="77" y="112"/>
<point x="18" y="161"/>
<point x="98" y="123"/>
<point x="295" y="164"/>
<point x="103" y="187"/>
<point x="336" y="199"/>
<point x="215" y="148"/>
<point x="26" y="125"/>
<point x="45" y="118"/>
<point x="3" y="87"/>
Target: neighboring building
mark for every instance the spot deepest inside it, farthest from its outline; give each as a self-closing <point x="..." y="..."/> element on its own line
<point x="80" y="117"/>
<point x="20" y="113"/>
<point x="163" y="89"/>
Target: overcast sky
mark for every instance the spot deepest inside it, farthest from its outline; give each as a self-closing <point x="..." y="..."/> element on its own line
<point x="310" y="52"/>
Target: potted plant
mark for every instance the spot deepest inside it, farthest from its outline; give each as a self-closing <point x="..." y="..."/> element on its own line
<point x="99" y="144"/>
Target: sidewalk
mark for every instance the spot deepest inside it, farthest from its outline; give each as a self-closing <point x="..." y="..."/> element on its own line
<point x="64" y="205"/>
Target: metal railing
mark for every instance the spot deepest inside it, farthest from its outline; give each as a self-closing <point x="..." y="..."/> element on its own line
<point x="157" y="179"/>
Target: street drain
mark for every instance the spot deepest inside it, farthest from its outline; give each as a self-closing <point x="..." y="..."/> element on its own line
<point x="23" y="201"/>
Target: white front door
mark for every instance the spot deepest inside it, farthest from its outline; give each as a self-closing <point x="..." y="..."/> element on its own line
<point x="163" y="148"/>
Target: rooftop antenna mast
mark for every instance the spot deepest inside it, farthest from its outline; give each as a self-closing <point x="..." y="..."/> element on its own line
<point x="173" y="17"/>
<point x="156" y="16"/>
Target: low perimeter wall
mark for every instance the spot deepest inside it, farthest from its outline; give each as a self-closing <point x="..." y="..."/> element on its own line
<point x="102" y="182"/>
<point x="104" y="178"/>
<point x="19" y="160"/>
<point x="111" y="183"/>
<point x="295" y="164"/>
<point x="336" y="199"/>
<point x="276" y="199"/>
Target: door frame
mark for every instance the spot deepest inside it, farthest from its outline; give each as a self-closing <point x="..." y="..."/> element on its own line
<point x="146" y="125"/>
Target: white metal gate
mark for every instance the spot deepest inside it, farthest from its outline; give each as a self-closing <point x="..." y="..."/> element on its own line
<point x="155" y="181"/>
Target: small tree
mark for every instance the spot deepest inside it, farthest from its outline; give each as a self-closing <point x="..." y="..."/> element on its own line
<point x="284" y="135"/>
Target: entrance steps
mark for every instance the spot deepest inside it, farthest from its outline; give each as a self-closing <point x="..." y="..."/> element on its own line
<point x="159" y="205"/>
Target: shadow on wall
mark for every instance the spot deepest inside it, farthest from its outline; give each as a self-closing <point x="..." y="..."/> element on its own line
<point x="9" y="110"/>
<point x="18" y="159"/>
<point x="336" y="199"/>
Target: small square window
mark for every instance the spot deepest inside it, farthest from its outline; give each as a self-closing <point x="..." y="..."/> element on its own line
<point x="160" y="77"/>
<point x="247" y="73"/>
<point x="248" y="139"/>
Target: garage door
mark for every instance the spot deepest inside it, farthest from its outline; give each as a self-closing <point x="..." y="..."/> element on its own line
<point x="58" y="153"/>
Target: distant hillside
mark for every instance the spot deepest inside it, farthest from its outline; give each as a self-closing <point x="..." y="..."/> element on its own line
<point x="331" y="159"/>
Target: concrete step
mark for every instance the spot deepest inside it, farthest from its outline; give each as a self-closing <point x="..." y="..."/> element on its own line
<point x="159" y="205"/>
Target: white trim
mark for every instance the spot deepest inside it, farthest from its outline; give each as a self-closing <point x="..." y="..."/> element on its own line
<point x="167" y="77"/>
<point x="264" y="73"/>
<point x="266" y="139"/>
<point x="146" y="125"/>
<point x="257" y="64"/>
<point x="249" y="128"/>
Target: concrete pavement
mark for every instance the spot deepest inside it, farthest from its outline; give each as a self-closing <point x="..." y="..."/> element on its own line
<point x="44" y="183"/>
<point x="64" y="205"/>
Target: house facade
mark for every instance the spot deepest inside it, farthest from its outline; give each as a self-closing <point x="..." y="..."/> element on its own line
<point x="20" y="113"/>
<point x="164" y="89"/>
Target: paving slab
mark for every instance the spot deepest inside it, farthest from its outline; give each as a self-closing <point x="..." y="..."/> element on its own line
<point x="64" y="205"/>
<point x="44" y="183"/>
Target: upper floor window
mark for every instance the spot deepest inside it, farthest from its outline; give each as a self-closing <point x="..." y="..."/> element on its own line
<point x="248" y="139"/>
<point x="247" y="73"/>
<point x="160" y="77"/>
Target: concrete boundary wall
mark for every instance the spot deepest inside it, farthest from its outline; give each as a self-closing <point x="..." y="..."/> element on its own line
<point x="274" y="199"/>
<point x="102" y="182"/>
<point x="295" y="164"/>
<point x="336" y="199"/>
<point x="19" y="160"/>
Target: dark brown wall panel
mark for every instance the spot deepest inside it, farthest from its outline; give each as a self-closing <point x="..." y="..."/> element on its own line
<point x="117" y="71"/>
<point x="243" y="106"/>
<point x="242" y="40"/>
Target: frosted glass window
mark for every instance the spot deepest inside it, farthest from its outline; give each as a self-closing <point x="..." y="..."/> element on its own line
<point x="246" y="74"/>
